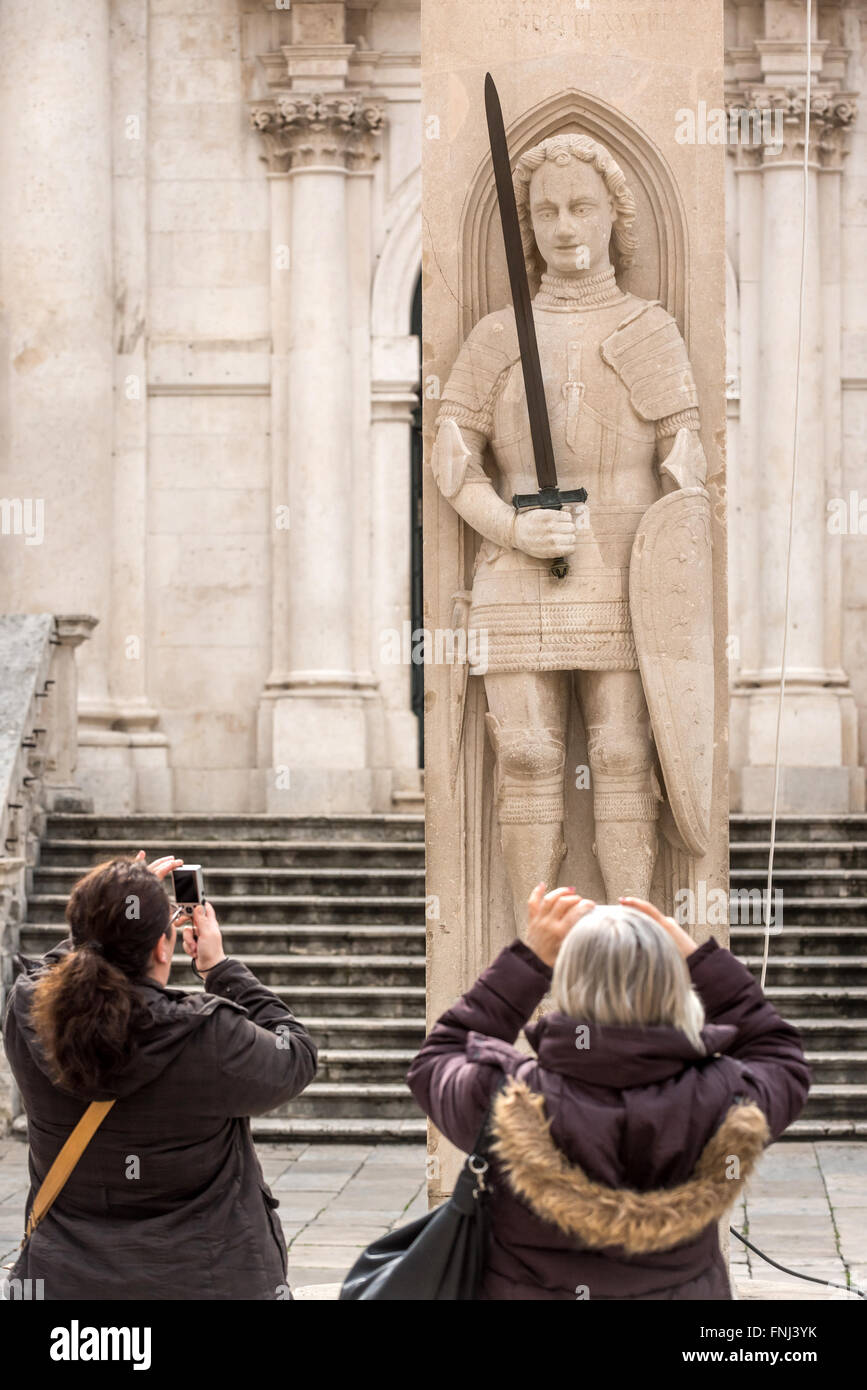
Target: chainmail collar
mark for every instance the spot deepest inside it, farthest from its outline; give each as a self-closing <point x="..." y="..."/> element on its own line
<point x="586" y="291"/>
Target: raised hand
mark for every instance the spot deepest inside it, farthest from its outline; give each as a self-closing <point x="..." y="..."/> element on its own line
<point x="203" y="940"/>
<point x="161" y="867"/>
<point x="550" y="918"/>
<point x="682" y="940"/>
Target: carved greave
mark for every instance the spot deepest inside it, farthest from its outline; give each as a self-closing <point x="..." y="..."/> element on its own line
<point x="626" y="850"/>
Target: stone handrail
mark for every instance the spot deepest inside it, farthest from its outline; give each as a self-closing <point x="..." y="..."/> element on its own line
<point x="38" y="754"/>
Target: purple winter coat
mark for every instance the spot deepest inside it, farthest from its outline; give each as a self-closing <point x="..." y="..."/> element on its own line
<point x="633" y="1109"/>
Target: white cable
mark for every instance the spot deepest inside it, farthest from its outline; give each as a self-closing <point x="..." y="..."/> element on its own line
<point x="795" y="441"/>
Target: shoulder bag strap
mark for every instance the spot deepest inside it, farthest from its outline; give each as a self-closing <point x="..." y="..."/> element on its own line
<point x="478" y="1159"/>
<point x="57" y="1175"/>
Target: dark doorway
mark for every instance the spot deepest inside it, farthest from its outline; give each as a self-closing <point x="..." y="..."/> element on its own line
<point x="416" y="579"/>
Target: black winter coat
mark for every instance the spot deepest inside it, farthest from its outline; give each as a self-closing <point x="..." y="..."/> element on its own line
<point x="168" y="1200"/>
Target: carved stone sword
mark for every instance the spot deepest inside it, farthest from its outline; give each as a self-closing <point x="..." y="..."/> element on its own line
<point x="549" y="494"/>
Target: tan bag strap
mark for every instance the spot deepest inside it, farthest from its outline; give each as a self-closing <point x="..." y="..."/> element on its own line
<point x="57" y="1175"/>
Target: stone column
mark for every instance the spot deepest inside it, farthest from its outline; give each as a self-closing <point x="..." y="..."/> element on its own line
<point x="395" y="385"/>
<point x="314" y="739"/>
<point x="819" y="760"/>
<point x="362" y="159"/>
<point x="57" y="364"/>
<point x="742" y="475"/>
<point x="280" y="187"/>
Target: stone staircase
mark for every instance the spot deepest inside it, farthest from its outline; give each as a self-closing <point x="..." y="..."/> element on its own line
<point x="330" y="913"/>
<point x="817" y="964"/>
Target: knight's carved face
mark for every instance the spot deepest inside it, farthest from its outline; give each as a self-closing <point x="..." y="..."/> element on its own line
<point x="572" y="215"/>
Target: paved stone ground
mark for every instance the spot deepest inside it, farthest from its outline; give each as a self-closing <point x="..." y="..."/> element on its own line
<point x="337" y="1198"/>
<point x="807" y="1208"/>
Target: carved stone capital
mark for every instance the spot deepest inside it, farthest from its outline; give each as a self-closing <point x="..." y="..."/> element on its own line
<point x="772" y="123"/>
<point x="74" y="628"/>
<point x="301" y="129"/>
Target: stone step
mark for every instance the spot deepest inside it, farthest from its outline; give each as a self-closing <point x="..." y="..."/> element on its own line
<point x="816" y="971"/>
<point x="838" y="1068"/>
<point x="170" y="831"/>
<point x="801" y="941"/>
<point x="315" y="939"/>
<point x="796" y="854"/>
<point x="818" y="1129"/>
<point x="301" y="939"/>
<point x="346" y="1003"/>
<point x="296" y="972"/>
<point x="370" y="1130"/>
<point x="795" y="1003"/>
<point x="240" y="882"/>
<point x="806" y="882"/>
<point x="351" y="1001"/>
<point x="275" y="910"/>
<point x="369" y="1065"/>
<point x="805" y="910"/>
<point x="746" y="828"/>
<point x="351" y="1100"/>
<point x="356" y="1032"/>
<point x="80" y="854"/>
<point x="832" y="1034"/>
<point x="842" y="1102"/>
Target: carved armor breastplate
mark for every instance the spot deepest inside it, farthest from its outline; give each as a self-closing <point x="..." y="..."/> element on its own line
<point x="611" y="370"/>
<point x="600" y="442"/>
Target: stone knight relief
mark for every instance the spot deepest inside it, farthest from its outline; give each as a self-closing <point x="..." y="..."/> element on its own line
<point x="626" y="636"/>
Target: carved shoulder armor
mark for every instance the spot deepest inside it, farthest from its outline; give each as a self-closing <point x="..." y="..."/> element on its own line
<point x="649" y="355"/>
<point x="487" y="354"/>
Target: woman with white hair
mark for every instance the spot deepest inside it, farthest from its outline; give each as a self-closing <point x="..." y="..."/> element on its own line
<point x="622" y="1140"/>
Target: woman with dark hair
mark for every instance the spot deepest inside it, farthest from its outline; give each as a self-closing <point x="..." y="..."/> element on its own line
<point x="168" y="1200"/>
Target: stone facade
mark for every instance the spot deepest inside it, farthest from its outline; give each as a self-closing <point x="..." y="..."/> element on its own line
<point x="213" y="217"/>
<point x="212" y="238"/>
<point x="825" y="717"/>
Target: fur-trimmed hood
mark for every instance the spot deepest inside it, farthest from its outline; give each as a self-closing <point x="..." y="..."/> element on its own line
<point x="599" y="1216"/>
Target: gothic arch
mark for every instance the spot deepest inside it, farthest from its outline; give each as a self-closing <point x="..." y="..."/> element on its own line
<point x="661" y="270"/>
<point x="399" y="267"/>
<point x="394" y="400"/>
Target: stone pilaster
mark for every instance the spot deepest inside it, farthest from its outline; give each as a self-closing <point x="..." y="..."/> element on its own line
<point x="126" y="762"/>
<point x="394" y="398"/>
<point x="57" y="294"/>
<point x="819" y="758"/>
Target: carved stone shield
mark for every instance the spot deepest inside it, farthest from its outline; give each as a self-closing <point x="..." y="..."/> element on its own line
<point x="671" y="603"/>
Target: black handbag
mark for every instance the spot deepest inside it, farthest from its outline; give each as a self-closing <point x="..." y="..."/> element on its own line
<point x="441" y="1256"/>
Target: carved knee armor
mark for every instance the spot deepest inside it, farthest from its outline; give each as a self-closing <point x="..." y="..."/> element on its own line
<point x="530" y="767"/>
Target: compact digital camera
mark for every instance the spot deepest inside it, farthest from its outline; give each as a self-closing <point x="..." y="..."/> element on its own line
<point x="188" y="888"/>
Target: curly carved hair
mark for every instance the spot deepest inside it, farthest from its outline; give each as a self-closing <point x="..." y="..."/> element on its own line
<point x="560" y="149"/>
